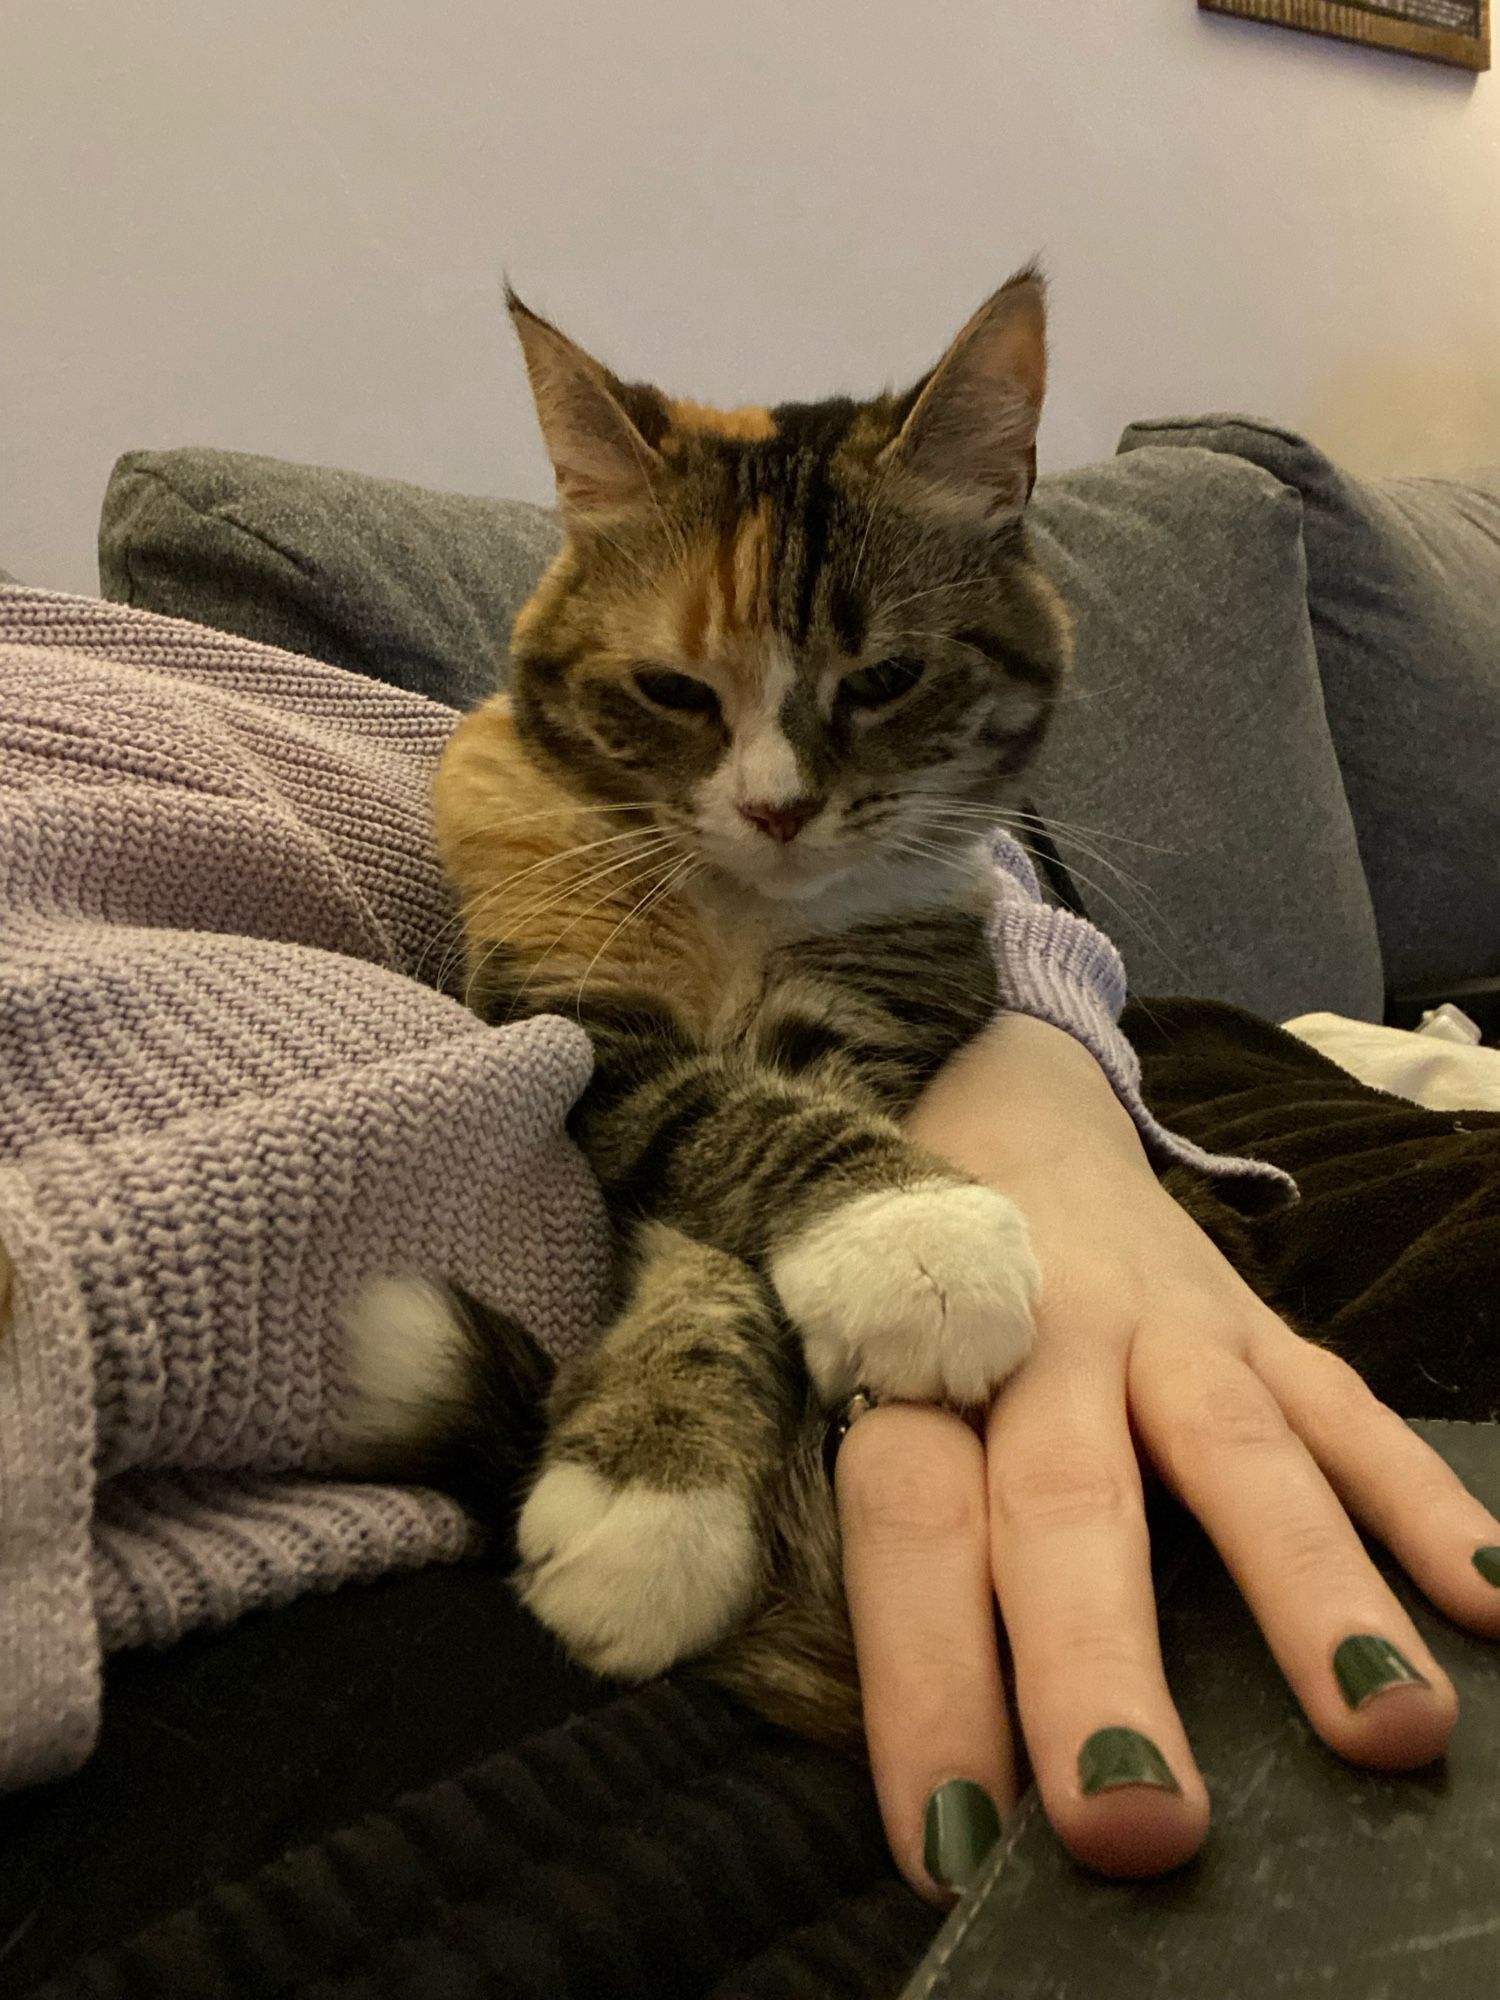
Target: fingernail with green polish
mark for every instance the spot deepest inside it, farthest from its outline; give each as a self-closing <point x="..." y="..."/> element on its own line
<point x="962" y="1826"/>
<point x="1366" y="1665"/>
<point x="1487" y="1562"/>
<point x="1115" y="1757"/>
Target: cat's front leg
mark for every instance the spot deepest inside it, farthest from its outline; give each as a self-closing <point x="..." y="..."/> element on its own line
<point x="641" y="1538"/>
<point x="924" y="1289"/>
<point x="899" y="1274"/>
<point x="903" y="1275"/>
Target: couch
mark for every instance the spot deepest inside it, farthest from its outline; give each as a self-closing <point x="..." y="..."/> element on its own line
<point x="1275" y="779"/>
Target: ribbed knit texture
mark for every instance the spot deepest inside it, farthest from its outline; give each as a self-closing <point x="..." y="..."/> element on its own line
<point x="231" y="1090"/>
<point x="1060" y="968"/>
<point x="225" y="1102"/>
<point x="175" y="1551"/>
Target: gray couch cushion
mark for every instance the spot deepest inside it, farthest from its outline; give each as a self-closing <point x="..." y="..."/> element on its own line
<point x="397" y="581"/>
<point x="1195" y="724"/>
<point x="1404" y="590"/>
<point x="1192" y="751"/>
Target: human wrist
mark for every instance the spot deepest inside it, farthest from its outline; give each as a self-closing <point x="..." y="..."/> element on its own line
<point x="1026" y="1095"/>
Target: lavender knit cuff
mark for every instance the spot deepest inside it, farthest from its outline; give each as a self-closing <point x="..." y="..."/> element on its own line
<point x="1059" y="968"/>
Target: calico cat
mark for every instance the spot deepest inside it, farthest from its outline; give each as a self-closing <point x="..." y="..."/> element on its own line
<point x="732" y="818"/>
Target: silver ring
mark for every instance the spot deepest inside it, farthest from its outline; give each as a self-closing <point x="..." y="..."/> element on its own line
<point x="842" y="1420"/>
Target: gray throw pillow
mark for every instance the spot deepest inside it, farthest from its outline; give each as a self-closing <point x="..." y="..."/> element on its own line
<point x="414" y="587"/>
<point x="1191" y="750"/>
<point x="1404" y="590"/>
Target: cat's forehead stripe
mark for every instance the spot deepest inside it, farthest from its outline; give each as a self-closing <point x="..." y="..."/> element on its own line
<point x="726" y="594"/>
<point x="751" y="568"/>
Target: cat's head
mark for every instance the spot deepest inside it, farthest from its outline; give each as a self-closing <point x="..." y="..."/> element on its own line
<point x="812" y="637"/>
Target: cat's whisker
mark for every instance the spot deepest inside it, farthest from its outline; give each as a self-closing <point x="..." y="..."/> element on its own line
<point x="673" y="536"/>
<point x="638" y="910"/>
<point x="527" y="918"/>
<point x="864" y="541"/>
<point x="903" y="569"/>
<point x="529" y="913"/>
<point x="929" y="850"/>
<point x="1142" y="889"/>
<point x="448" y="939"/>
<point x="1074" y="838"/>
<point x="936" y="638"/>
<point x="960" y="814"/>
<point x="596" y="533"/>
<point x="1069" y="826"/>
<point x="1125" y="875"/>
<point x="648" y="875"/>
<point x="504" y="822"/>
<point x="1069" y="693"/>
<point x="1015" y="819"/>
<point x="1129" y="881"/>
<point x="915" y="597"/>
<point x="943" y="639"/>
<point x="454" y="956"/>
<point x="1142" y="929"/>
<point x="563" y="855"/>
<point x="1025" y="824"/>
<point x="1064" y="694"/>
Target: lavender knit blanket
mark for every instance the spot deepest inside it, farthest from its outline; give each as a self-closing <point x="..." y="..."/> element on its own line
<point x="225" y="1102"/>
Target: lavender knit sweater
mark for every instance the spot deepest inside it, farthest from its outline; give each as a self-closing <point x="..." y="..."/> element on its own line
<point x="230" y="1091"/>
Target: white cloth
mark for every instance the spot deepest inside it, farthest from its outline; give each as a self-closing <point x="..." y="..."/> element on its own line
<point x="1424" y="1066"/>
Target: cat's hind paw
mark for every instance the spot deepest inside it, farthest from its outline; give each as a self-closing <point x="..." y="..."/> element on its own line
<point x="633" y="1578"/>
<point x="926" y="1292"/>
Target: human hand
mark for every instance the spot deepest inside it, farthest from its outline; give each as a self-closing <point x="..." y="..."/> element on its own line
<point x="1147" y="1341"/>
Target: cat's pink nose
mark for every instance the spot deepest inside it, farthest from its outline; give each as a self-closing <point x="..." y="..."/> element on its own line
<point x="782" y="823"/>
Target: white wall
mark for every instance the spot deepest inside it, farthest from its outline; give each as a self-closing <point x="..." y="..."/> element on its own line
<point x="280" y="225"/>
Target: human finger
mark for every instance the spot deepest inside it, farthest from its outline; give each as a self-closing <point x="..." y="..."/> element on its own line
<point x="912" y="1510"/>
<point x="1216" y="1432"/>
<point x="1072" y="1566"/>
<point x="1391" y="1480"/>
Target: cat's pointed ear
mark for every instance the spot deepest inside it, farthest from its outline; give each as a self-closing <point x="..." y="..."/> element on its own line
<point x="970" y="438"/>
<point x="598" y="454"/>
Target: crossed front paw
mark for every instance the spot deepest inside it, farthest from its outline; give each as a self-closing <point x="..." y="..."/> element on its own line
<point x="926" y="1292"/>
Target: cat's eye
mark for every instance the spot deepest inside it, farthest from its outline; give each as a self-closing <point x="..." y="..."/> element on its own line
<point x="873" y="687"/>
<point x="679" y="691"/>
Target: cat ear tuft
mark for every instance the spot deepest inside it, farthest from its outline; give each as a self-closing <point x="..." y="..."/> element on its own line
<point x="600" y="458"/>
<point x="970" y="439"/>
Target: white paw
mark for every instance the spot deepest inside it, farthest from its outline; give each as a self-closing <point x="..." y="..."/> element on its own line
<point x="631" y="1578"/>
<point x="926" y="1292"/>
<point x="407" y="1358"/>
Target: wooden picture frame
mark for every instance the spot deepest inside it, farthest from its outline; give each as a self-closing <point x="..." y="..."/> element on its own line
<point x="1447" y="31"/>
